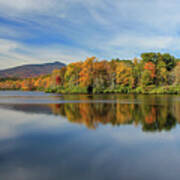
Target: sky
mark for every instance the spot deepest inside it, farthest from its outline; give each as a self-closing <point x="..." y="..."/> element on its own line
<point x="40" y="31"/>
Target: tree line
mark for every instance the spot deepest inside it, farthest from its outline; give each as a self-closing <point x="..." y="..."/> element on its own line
<point x="151" y="73"/>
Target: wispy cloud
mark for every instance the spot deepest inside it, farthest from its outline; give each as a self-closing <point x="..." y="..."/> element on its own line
<point x="72" y="30"/>
<point x="13" y="53"/>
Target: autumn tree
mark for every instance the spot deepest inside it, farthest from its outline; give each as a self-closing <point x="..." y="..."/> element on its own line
<point x="161" y="73"/>
<point x="86" y="75"/>
<point x="54" y="78"/>
<point x="176" y="74"/>
<point x="169" y="61"/>
<point x="148" y="74"/>
<point x="27" y="84"/>
<point x="100" y="76"/>
<point x="123" y="74"/>
<point x="72" y="74"/>
<point x="111" y="70"/>
<point x="150" y="57"/>
<point x="136" y="72"/>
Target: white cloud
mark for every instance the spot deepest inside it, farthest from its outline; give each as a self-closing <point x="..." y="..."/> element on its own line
<point x="142" y="41"/>
<point x="13" y="123"/>
<point x="27" y="5"/>
<point x="103" y="28"/>
<point x="13" y="53"/>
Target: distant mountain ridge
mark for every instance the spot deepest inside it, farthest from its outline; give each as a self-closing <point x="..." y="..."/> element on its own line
<point x="30" y="70"/>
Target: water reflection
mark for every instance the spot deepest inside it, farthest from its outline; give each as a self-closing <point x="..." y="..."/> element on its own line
<point x="37" y="141"/>
<point x="153" y="113"/>
<point x="151" y="117"/>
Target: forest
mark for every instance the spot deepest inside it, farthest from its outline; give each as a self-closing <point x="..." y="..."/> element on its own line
<point x="152" y="73"/>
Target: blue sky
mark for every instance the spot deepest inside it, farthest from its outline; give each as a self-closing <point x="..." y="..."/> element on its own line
<point x="38" y="31"/>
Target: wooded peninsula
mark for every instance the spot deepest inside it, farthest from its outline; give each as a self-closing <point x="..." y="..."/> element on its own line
<point x="152" y="73"/>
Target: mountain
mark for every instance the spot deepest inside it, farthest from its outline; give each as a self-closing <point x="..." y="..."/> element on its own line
<point x="31" y="70"/>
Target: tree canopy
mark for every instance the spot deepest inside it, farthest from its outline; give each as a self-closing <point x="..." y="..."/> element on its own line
<point x="139" y="75"/>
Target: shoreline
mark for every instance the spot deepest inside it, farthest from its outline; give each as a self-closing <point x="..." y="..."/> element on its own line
<point x="163" y="90"/>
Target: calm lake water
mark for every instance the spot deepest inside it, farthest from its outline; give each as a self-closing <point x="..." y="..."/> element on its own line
<point x="81" y="137"/>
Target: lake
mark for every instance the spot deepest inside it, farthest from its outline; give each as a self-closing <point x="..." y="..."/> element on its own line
<point x="84" y="137"/>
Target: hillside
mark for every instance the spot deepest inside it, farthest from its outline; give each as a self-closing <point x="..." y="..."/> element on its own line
<point x="31" y="70"/>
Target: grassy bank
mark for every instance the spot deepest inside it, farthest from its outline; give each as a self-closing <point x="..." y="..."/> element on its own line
<point x="118" y="89"/>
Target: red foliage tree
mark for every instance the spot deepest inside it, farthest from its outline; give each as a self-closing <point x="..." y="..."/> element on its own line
<point x="58" y="80"/>
<point x="151" y="68"/>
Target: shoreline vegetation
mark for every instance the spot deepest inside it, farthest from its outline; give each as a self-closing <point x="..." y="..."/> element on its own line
<point x="152" y="73"/>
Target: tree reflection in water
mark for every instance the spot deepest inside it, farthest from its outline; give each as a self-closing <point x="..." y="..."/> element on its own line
<point x="153" y="113"/>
